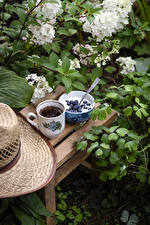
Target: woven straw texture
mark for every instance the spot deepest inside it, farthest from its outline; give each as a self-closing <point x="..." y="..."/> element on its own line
<point x="9" y="135"/>
<point x="33" y="169"/>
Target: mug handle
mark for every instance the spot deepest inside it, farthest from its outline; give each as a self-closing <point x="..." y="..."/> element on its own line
<point x="29" y="115"/>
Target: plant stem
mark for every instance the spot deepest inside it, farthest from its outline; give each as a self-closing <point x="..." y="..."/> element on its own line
<point x="29" y="13"/>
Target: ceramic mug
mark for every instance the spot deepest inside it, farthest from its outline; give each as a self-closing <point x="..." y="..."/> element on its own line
<point x="50" y="115"/>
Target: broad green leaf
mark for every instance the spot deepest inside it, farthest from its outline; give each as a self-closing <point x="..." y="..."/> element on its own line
<point x="93" y="146"/>
<point x="47" y="47"/>
<point x="56" y="47"/>
<point x="114" y="158"/>
<point x="14" y="90"/>
<point x="82" y="145"/>
<point x="122" y="131"/>
<point x="112" y="129"/>
<point x="102" y="114"/>
<point x="142" y="64"/>
<point x="90" y="136"/>
<point x="128" y="111"/>
<point x="72" y="31"/>
<point x="112" y="137"/>
<point x="34" y="202"/>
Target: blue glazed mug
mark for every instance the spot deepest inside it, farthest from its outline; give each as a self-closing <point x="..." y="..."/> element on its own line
<point x="50" y="123"/>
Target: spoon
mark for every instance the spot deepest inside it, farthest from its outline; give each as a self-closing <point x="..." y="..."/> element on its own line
<point x="90" y="89"/>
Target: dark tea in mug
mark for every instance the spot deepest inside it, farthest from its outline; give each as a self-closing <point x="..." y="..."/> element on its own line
<point x="51" y="111"/>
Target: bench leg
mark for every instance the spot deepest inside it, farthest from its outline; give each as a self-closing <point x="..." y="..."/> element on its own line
<point x="47" y="195"/>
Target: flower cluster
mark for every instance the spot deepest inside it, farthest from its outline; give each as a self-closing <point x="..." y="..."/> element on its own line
<point x="85" y="52"/>
<point x="41" y="86"/>
<point x="127" y="64"/>
<point x="109" y="20"/>
<point x="103" y="57"/>
<point x="44" y="32"/>
<point x="74" y="63"/>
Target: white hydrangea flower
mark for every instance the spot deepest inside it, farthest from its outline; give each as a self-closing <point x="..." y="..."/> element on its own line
<point x="41" y="86"/>
<point x="49" y="10"/>
<point x="127" y="64"/>
<point x="42" y="34"/>
<point x="109" y="20"/>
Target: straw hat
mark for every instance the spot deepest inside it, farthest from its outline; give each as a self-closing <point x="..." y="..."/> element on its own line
<point x="27" y="159"/>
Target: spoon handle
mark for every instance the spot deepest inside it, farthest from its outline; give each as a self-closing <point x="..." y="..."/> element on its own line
<point x="91" y="88"/>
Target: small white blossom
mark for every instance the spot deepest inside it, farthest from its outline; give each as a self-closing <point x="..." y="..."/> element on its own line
<point x="41" y="86"/>
<point x="127" y="64"/>
<point x="74" y="64"/>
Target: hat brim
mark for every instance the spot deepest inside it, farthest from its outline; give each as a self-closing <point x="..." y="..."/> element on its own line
<point x="35" y="167"/>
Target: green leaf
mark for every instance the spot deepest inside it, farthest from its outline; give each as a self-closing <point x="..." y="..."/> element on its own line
<point x="110" y="69"/>
<point x="82" y="145"/>
<point x="56" y="47"/>
<point x="53" y="59"/>
<point x="122" y="131"/>
<point x="128" y="111"/>
<point x="72" y="31"/>
<point x="93" y="146"/>
<point x="99" y="152"/>
<point x="78" y="85"/>
<point x="112" y="137"/>
<point x="90" y="136"/>
<point x="124" y="216"/>
<point x="121" y="142"/>
<point x="112" y="129"/>
<point x="14" y="90"/>
<point x="106" y="146"/>
<point x="133" y="220"/>
<point x="65" y="64"/>
<point x="102" y="114"/>
<point x="114" y="158"/>
<point x="34" y="202"/>
<point x="112" y="95"/>
<point x="47" y="47"/>
<point x="131" y="145"/>
<point x="67" y="82"/>
<point x="142" y="64"/>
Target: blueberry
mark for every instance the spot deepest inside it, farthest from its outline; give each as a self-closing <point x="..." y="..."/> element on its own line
<point x="85" y="102"/>
<point x="82" y="105"/>
<point x="88" y="104"/>
<point x="85" y="107"/>
<point x="71" y="105"/>
<point x="79" y="110"/>
<point x="75" y="107"/>
<point x="76" y="102"/>
<point x="89" y="108"/>
<point x="71" y="102"/>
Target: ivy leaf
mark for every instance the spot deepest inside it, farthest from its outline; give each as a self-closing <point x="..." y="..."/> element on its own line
<point x="82" y="145"/>
<point x="122" y="131"/>
<point x="131" y="145"/>
<point x="106" y="146"/>
<point x="121" y="142"/>
<point x="98" y="153"/>
<point x="90" y="136"/>
<point x="112" y="129"/>
<point x="93" y="146"/>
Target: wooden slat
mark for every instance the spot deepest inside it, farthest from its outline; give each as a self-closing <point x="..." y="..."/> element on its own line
<point x="66" y="150"/>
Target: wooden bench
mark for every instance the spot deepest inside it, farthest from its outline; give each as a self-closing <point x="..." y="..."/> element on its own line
<point x="68" y="158"/>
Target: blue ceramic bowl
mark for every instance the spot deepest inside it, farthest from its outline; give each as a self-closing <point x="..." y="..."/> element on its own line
<point x="77" y="117"/>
